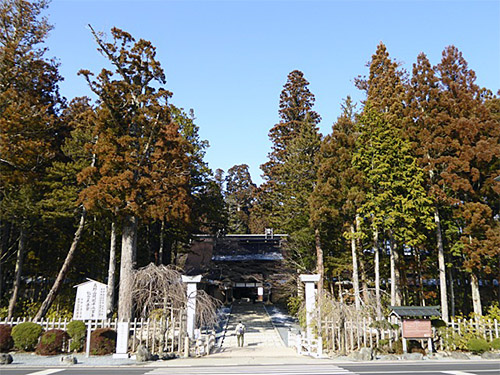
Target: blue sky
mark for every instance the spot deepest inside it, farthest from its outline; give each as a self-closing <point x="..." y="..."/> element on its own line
<point x="228" y="60"/>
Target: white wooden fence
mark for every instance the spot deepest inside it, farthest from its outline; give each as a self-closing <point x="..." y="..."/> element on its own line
<point x="352" y="334"/>
<point x="162" y="335"/>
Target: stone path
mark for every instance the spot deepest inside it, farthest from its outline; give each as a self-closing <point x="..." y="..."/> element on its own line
<point x="261" y="338"/>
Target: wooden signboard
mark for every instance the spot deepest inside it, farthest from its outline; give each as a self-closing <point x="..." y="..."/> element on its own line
<point x="90" y="302"/>
<point x="417" y="329"/>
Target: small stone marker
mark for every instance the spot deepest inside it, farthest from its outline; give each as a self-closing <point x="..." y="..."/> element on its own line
<point x="122" y="333"/>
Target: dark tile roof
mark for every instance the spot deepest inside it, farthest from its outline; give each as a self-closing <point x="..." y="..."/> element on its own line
<point x="415" y="311"/>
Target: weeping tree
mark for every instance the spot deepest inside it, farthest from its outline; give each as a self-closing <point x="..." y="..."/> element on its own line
<point x="161" y="287"/>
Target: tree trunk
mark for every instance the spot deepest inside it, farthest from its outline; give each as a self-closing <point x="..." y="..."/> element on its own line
<point x="18" y="272"/>
<point x="377" y="274"/>
<point x="442" y="268"/>
<point x="395" y="275"/>
<point x="129" y="244"/>
<point x="4" y="246"/>
<point x="110" y="296"/>
<point x="162" y="243"/>
<point x="319" y="263"/>
<point x="476" y="298"/>
<point x="63" y="271"/>
<point x="421" y="295"/>
<point x="452" y="292"/>
<point x="362" y="268"/>
<point x="355" y="276"/>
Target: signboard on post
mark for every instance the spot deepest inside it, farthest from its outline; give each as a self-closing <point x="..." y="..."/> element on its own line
<point x="417" y="329"/>
<point x="90" y="302"/>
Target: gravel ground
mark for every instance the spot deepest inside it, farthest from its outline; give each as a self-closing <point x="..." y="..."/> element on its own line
<point x="26" y="359"/>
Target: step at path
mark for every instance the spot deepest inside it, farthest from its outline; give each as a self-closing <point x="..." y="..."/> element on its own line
<point x="261" y="338"/>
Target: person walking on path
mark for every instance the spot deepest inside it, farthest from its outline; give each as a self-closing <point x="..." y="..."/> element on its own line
<point x="240" y="333"/>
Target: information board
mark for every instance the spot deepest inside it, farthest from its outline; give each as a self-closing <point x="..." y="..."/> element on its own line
<point x="90" y="302"/>
<point x="417" y="329"/>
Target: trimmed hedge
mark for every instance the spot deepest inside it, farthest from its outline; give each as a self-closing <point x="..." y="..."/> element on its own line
<point x="26" y="336"/>
<point x="52" y="342"/>
<point x="76" y="330"/>
<point x="102" y="341"/>
<point x="6" y="341"/>
<point x="478" y="346"/>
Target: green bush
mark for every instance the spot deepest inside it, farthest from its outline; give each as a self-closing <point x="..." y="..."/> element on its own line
<point x="495" y="344"/>
<point x="397" y="347"/>
<point x="52" y="342"/>
<point x="76" y="330"/>
<point x="478" y="346"/>
<point x="26" y="336"/>
<point x="102" y="341"/>
<point x="6" y="342"/>
<point x="438" y="323"/>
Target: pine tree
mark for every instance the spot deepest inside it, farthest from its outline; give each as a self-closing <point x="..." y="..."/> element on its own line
<point x="142" y="167"/>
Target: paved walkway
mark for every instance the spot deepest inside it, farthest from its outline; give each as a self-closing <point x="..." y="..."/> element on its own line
<point x="260" y="334"/>
<point x="263" y="345"/>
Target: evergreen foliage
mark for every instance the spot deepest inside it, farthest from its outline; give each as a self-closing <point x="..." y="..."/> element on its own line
<point x="400" y="194"/>
<point x="26" y="335"/>
<point x="52" y="342"/>
<point x="6" y="341"/>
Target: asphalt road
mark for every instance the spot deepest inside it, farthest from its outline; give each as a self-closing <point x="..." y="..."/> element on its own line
<point x="403" y="368"/>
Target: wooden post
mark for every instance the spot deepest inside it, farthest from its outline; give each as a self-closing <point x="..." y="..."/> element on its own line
<point x="490" y="328"/>
<point x="134" y="336"/>
<point x="87" y="346"/>
<point x="153" y="336"/>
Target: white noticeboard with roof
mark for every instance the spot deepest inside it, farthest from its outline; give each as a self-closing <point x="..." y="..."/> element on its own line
<point x="90" y="302"/>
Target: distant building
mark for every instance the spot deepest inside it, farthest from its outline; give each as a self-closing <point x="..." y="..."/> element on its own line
<point x="240" y="265"/>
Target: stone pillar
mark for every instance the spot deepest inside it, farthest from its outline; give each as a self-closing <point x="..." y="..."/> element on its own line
<point x="191" y="282"/>
<point x="310" y="297"/>
<point x="122" y="334"/>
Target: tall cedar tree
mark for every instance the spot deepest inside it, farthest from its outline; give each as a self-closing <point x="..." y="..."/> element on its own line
<point x="207" y="214"/>
<point x="142" y="167"/>
<point x="30" y="133"/>
<point x="471" y="138"/>
<point x="239" y="195"/>
<point x="428" y="133"/>
<point x="61" y="200"/>
<point x="383" y="131"/>
<point x="338" y="194"/>
<point x="290" y="172"/>
<point x="396" y="200"/>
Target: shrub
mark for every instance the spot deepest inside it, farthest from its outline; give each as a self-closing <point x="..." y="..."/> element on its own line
<point x="383" y="346"/>
<point x="438" y="323"/>
<point x="52" y="342"/>
<point x="478" y="345"/>
<point x="6" y="342"/>
<point x="76" y="330"/>
<point x="397" y="347"/>
<point x="102" y="341"/>
<point x="26" y="336"/>
<point x="495" y="344"/>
